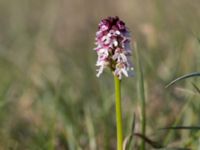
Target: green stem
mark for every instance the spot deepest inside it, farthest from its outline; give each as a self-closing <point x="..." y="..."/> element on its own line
<point x="118" y="114"/>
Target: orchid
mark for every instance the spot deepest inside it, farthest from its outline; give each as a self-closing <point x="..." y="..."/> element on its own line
<point x="113" y="47"/>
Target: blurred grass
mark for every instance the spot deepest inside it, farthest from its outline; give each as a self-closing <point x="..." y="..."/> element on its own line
<point x="50" y="97"/>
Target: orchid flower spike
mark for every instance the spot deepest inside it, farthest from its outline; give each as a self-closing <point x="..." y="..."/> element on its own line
<point x="113" y="47"/>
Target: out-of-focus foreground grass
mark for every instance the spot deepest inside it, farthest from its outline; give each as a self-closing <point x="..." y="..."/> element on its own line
<point x="50" y="97"/>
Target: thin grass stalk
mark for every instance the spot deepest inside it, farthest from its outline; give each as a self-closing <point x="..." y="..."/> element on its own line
<point x="141" y="93"/>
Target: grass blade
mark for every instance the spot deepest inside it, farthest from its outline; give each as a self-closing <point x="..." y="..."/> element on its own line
<point x="149" y="141"/>
<point x="141" y="93"/>
<point x="196" y="88"/>
<point x="182" y="128"/>
<point x="128" y="139"/>
<point x="194" y="74"/>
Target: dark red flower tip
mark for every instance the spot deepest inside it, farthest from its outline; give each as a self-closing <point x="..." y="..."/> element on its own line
<point x="112" y="23"/>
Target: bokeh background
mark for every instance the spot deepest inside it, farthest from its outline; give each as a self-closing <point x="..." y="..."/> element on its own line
<point x="50" y="97"/>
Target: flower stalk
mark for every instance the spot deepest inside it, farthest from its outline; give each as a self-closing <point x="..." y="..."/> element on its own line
<point x="118" y="113"/>
<point x="114" y="52"/>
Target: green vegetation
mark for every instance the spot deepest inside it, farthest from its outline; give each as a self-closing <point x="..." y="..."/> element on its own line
<point x="50" y="98"/>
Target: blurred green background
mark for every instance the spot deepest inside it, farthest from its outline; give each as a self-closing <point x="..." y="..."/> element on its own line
<point x="50" y="97"/>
